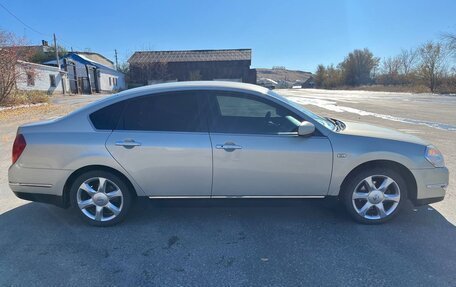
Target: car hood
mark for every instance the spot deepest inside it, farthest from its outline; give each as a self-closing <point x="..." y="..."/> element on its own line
<point x="373" y="131"/>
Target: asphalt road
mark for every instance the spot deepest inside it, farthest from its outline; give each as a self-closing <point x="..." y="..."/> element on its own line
<point x="240" y="242"/>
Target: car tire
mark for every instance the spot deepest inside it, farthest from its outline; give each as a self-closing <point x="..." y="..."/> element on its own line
<point x="101" y="198"/>
<point x="375" y="195"/>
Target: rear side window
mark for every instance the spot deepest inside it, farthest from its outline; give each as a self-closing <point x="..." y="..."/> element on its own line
<point x="177" y="111"/>
<point x="107" y="117"/>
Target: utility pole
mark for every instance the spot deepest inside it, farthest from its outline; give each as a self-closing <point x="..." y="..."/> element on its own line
<point x="58" y="64"/>
<point x="117" y="63"/>
<point x="56" y="53"/>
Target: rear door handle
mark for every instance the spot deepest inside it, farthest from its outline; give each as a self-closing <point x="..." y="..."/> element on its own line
<point x="127" y="143"/>
<point x="228" y="147"/>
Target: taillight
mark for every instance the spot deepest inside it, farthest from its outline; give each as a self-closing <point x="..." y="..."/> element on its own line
<point x="18" y="147"/>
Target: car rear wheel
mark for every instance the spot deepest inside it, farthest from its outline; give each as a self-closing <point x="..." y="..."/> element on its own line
<point x="375" y="196"/>
<point x="100" y="198"/>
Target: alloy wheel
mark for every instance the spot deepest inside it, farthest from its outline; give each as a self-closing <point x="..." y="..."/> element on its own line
<point x="100" y="199"/>
<point x="376" y="197"/>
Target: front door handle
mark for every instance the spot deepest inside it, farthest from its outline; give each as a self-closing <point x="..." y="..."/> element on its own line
<point x="128" y="143"/>
<point x="228" y="146"/>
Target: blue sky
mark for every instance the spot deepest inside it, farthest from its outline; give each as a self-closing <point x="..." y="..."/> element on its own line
<point x="295" y="34"/>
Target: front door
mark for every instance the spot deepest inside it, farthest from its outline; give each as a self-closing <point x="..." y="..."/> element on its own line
<point x="163" y="143"/>
<point x="257" y="152"/>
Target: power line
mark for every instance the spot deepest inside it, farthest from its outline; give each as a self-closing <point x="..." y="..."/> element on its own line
<point x="34" y="30"/>
<point x="23" y="23"/>
<point x="30" y="27"/>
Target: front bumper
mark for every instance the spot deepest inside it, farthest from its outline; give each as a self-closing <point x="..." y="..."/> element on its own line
<point x="431" y="184"/>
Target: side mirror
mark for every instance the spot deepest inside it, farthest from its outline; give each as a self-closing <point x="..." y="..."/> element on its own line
<point x="306" y="128"/>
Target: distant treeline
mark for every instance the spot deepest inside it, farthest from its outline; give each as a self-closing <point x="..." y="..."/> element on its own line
<point x="428" y="66"/>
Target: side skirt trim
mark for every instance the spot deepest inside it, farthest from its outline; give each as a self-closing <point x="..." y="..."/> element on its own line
<point x="243" y="196"/>
<point x="268" y="196"/>
<point x="31" y="184"/>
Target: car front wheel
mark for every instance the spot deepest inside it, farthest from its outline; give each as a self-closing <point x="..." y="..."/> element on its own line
<point x="100" y="198"/>
<point x="375" y="196"/>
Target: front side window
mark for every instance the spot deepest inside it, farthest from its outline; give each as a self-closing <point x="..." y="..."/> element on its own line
<point x="246" y="114"/>
<point x="176" y="112"/>
<point x="231" y="106"/>
<point x="323" y="121"/>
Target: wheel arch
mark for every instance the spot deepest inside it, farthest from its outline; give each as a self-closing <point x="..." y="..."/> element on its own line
<point x="403" y="171"/>
<point x="78" y="172"/>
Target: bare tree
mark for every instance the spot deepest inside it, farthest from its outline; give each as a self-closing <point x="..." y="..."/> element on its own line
<point x="408" y="60"/>
<point x="334" y="76"/>
<point x="11" y="51"/>
<point x="432" y="63"/>
<point x="391" y="65"/>
<point x="450" y="40"/>
<point x="320" y="76"/>
<point x="390" y="70"/>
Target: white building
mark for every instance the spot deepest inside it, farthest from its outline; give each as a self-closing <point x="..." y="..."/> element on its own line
<point x="86" y="76"/>
<point x="36" y="77"/>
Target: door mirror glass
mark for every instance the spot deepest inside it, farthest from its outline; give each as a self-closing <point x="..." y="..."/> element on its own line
<point x="306" y="128"/>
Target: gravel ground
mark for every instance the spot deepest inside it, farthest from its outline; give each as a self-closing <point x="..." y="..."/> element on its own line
<point x="240" y="242"/>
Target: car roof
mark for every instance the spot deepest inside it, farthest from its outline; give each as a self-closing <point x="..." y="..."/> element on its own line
<point x="194" y="85"/>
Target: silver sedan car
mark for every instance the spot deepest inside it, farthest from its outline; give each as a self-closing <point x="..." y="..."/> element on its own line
<point x="218" y="140"/>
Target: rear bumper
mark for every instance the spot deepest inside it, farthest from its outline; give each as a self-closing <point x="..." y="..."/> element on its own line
<point x="37" y="180"/>
<point x="431" y="185"/>
<point x="45" y="198"/>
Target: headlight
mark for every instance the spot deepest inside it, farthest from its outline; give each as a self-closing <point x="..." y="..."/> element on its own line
<point x="434" y="156"/>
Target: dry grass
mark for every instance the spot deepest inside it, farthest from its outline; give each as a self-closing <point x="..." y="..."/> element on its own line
<point x="26" y="98"/>
<point x="395" y="88"/>
<point x="27" y="113"/>
<point x="442" y="89"/>
<point x="390" y="89"/>
<point x="35" y="113"/>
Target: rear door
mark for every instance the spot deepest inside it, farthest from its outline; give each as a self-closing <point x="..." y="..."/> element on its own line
<point x="257" y="151"/>
<point x="163" y="143"/>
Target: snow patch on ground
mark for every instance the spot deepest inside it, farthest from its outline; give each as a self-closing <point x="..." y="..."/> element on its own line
<point x="22" y="106"/>
<point x="332" y="106"/>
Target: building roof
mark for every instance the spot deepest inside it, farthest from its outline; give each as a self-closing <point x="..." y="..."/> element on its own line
<point x="24" y="53"/>
<point x="85" y="60"/>
<point x="39" y="66"/>
<point x="191" y="56"/>
<point x="97" y="58"/>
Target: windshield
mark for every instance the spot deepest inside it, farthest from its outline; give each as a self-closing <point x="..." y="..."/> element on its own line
<point x="327" y="123"/>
